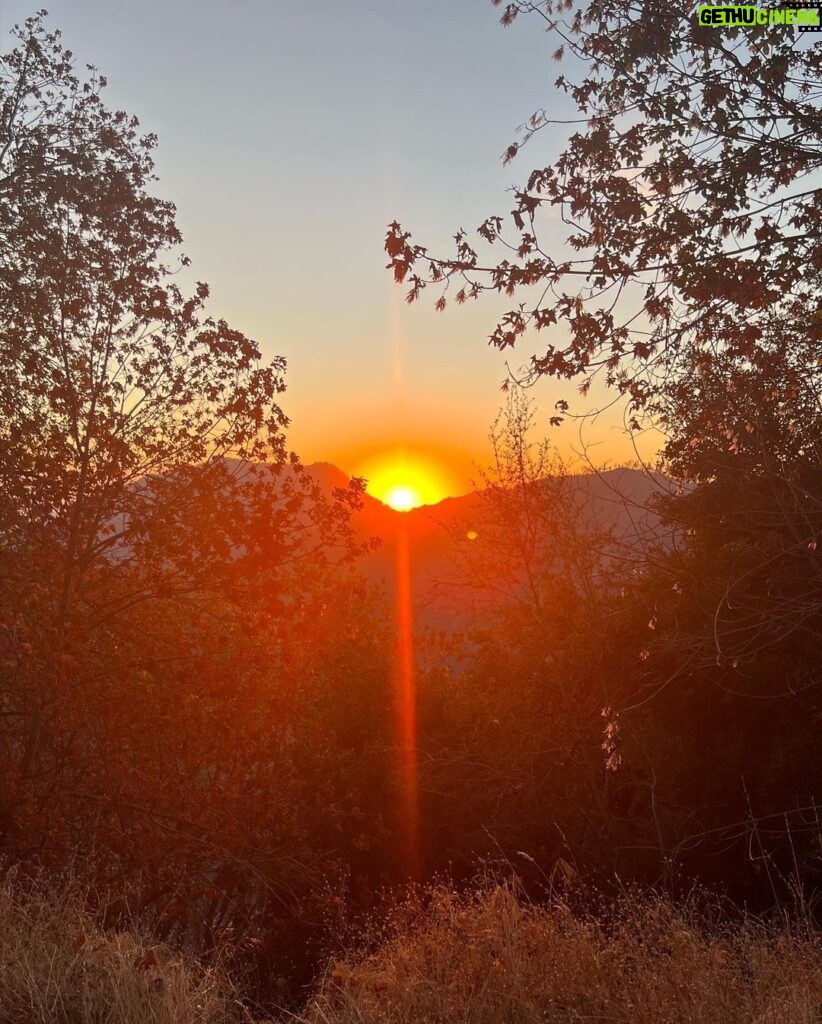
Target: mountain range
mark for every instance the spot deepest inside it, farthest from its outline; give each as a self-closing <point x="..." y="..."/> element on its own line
<point x="619" y="501"/>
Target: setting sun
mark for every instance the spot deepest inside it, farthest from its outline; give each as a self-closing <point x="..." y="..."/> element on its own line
<point x="407" y="479"/>
<point x="403" y="498"/>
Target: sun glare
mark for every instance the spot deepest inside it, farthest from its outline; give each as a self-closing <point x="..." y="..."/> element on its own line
<point x="403" y="498"/>
<point x="406" y="480"/>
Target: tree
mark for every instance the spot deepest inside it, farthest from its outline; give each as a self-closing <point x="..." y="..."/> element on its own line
<point x="110" y="373"/>
<point x="512" y="731"/>
<point x="529" y="549"/>
<point x="151" y="516"/>
<point x="748" y="431"/>
<point x="688" y="279"/>
<point x="686" y="191"/>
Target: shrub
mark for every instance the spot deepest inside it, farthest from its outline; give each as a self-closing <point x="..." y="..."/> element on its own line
<point x="59" y="966"/>
<point x="491" y="958"/>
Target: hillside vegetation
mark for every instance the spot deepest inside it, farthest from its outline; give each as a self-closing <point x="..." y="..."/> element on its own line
<point x="492" y="958"/>
<point x="485" y="957"/>
<point x="58" y="965"/>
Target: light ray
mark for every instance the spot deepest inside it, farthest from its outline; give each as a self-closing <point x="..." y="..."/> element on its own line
<point x="404" y="490"/>
<point x="405" y="701"/>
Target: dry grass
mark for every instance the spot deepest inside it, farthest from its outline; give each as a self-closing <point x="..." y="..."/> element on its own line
<point x="58" y="967"/>
<point x="490" y="958"/>
<point x="494" y="959"/>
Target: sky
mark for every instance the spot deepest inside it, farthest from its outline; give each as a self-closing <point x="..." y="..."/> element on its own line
<point x="290" y="134"/>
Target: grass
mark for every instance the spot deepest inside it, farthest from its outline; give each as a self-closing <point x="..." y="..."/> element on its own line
<point x="57" y="966"/>
<point x="492" y="958"/>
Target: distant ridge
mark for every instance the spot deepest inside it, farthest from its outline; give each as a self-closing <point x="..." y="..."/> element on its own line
<point x="620" y="500"/>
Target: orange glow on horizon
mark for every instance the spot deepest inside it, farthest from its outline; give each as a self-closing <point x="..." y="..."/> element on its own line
<point x="403" y="498"/>
<point x="405" y="479"/>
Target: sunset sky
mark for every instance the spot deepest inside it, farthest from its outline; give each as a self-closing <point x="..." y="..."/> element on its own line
<point x="290" y="133"/>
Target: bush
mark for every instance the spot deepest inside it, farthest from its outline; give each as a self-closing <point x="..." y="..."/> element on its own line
<point x="491" y="958"/>
<point x="58" y="966"/>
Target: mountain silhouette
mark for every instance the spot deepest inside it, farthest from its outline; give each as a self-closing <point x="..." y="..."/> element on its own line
<point x="619" y="501"/>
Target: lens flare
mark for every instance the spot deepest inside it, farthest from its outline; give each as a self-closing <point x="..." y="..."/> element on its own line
<point x="406" y="709"/>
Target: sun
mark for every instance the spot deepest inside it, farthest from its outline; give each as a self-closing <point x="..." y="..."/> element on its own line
<point x="403" y="498"/>
<point x="404" y="479"/>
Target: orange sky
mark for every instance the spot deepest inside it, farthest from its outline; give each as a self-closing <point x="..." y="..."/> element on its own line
<point x="287" y="165"/>
<point x="447" y="454"/>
